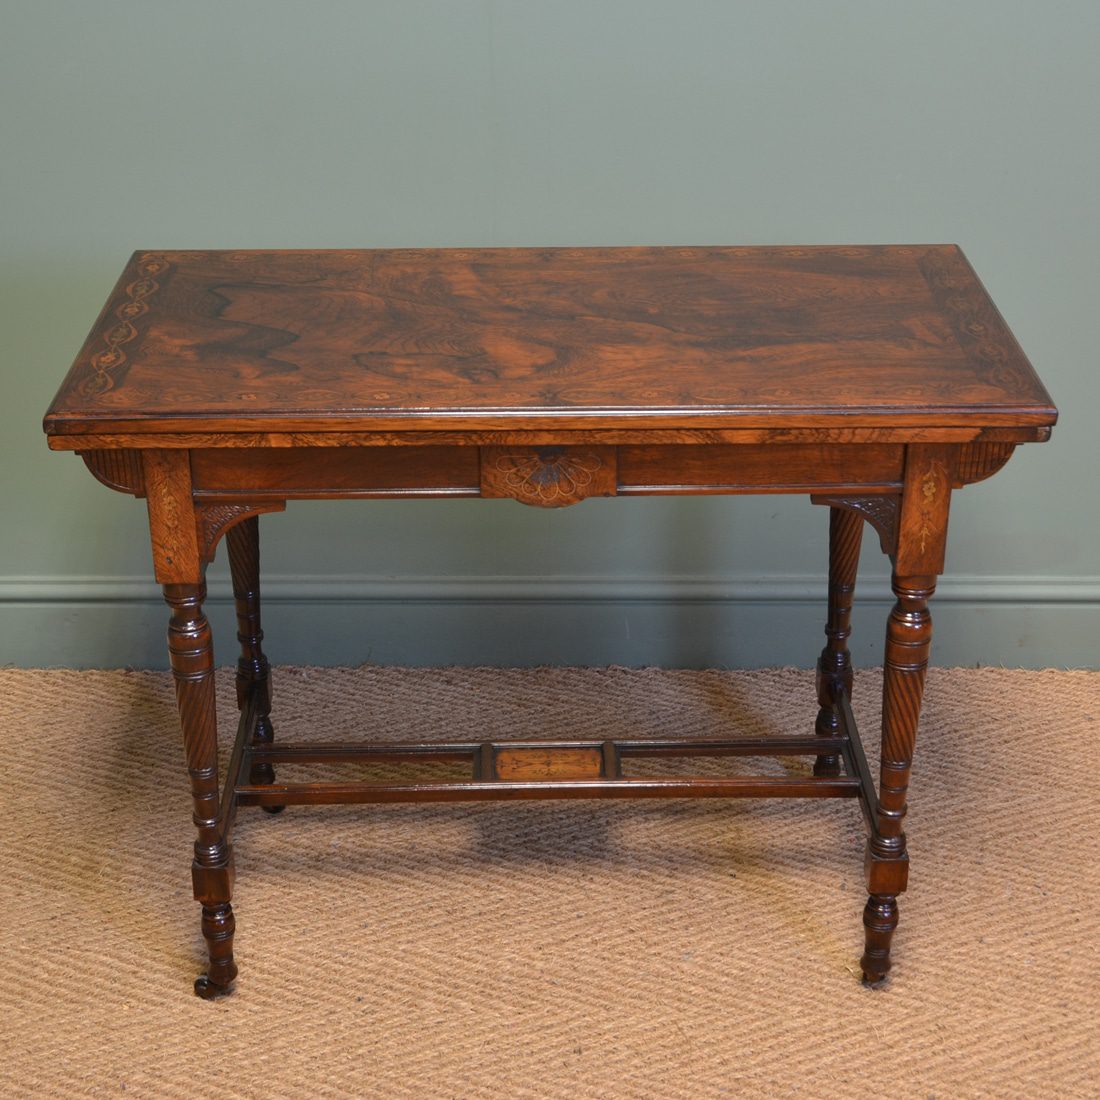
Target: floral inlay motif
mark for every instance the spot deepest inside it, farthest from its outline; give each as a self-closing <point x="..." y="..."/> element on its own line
<point x="550" y="474"/>
<point x="930" y="484"/>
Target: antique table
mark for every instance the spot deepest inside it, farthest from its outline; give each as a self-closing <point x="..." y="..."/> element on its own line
<point x="220" y="385"/>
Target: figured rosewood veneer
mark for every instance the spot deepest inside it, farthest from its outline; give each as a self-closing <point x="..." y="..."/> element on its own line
<point x="220" y="385"/>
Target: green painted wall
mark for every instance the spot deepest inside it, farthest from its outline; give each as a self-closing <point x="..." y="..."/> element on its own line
<point x="158" y="124"/>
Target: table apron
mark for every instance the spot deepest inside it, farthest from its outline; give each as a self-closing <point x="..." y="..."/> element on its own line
<point x="544" y="474"/>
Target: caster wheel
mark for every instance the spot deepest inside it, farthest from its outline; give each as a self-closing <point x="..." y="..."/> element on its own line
<point x="207" y="990"/>
<point x="273" y="809"/>
<point x="874" y="981"/>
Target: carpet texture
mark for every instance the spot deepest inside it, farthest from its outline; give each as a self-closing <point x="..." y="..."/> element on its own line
<point x="576" y="949"/>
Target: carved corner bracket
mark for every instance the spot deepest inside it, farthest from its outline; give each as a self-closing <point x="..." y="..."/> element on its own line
<point x="215" y="519"/>
<point x="122" y="470"/>
<point x="548" y="477"/>
<point x="881" y="512"/>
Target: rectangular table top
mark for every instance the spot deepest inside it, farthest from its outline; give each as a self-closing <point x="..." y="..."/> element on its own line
<point x="548" y="338"/>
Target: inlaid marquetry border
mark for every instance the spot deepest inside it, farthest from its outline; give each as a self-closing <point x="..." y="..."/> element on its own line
<point x="105" y="363"/>
<point x="978" y="327"/>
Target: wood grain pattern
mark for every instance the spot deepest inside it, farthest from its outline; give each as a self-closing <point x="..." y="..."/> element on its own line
<point x="253" y="669"/>
<point x="173" y="524"/>
<point x="517" y="436"/>
<point x="548" y="477"/>
<point x="548" y="763"/>
<point x="214" y="519"/>
<point x="978" y="327"/>
<point x="908" y="643"/>
<point x="191" y="652"/>
<point x="481" y="790"/>
<point x="979" y="460"/>
<point x="118" y="327"/>
<point x="302" y="472"/>
<point x="930" y="472"/>
<point x="786" y="468"/>
<point x="122" y="469"/>
<point x="880" y="511"/>
<point x="549" y="339"/>
<point x="223" y="384"/>
<point x="834" y="666"/>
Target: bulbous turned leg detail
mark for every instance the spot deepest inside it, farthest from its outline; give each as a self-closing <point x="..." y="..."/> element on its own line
<point x="217" y="929"/>
<point x="834" y="667"/>
<point x="880" y="918"/>
<point x="253" y="669"/>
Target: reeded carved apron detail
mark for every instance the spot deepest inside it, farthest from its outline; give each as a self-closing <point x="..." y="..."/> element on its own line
<point x="122" y="469"/>
<point x="977" y="461"/>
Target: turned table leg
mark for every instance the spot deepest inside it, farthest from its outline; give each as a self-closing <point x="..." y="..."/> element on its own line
<point x="253" y="671"/>
<point x="191" y="651"/>
<point x="178" y="559"/>
<point x="918" y="561"/>
<point x="908" y="641"/>
<point x="834" y="667"/>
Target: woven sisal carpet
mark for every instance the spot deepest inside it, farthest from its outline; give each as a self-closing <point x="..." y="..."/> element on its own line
<point x="584" y="949"/>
